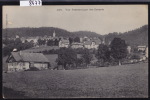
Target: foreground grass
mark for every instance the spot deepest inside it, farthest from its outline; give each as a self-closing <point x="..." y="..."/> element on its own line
<point x="105" y="82"/>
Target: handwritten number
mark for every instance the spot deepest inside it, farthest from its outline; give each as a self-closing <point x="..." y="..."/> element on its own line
<point x="39" y="2"/>
<point x="34" y="2"/>
<point x="31" y="2"/>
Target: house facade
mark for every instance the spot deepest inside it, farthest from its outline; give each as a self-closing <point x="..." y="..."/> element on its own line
<point x="76" y="45"/>
<point x="141" y="48"/>
<point x="20" y="61"/>
<point x="64" y="43"/>
<point x="92" y="44"/>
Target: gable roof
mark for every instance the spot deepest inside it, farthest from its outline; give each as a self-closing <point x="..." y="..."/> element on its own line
<point x="87" y="42"/>
<point x="97" y="42"/>
<point x="64" y="41"/>
<point x="29" y="57"/>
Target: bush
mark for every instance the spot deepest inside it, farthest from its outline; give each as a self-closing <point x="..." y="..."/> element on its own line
<point x="135" y="57"/>
<point x="33" y="69"/>
<point x="100" y="64"/>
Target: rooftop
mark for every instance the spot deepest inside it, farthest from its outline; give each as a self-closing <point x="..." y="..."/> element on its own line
<point x="29" y="57"/>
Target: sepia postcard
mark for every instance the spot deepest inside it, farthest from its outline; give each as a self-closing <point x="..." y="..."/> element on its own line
<point x="75" y="51"/>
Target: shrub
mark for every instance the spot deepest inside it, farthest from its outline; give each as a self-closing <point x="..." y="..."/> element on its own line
<point x="33" y="69"/>
<point x="135" y="56"/>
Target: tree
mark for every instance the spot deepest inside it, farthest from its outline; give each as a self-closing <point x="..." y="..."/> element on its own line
<point x="79" y="61"/>
<point x="86" y="56"/>
<point x="66" y="56"/>
<point x="70" y="40"/>
<point x="103" y="53"/>
<point x="56" y="42"/>
<point x="135" y="56"/>
<point x="76" y="39"/>
<point x="25" y="41"/>
<point x="50" y="43"/>
<point x="41" y="42"/>
<point x="17" y="41"/>
<point x="16" y="44"/>
<point x="118" y="49"/>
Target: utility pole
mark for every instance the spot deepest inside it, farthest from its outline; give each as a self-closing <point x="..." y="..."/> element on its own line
<point x="6" y="29"/>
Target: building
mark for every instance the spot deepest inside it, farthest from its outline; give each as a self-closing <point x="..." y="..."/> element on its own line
<point x="30" y="39"/>
<point x="81" y="39"/>
<point x="76" y="45"/>
<point x="54" y="34"/>
<point x="129" y="49"/>
<point x="17" y="36"/>
<point x="141" y="48"/>
<point x="64" y="43"/>
<point x="91" y="45"/>
<point x="20" y="61"/>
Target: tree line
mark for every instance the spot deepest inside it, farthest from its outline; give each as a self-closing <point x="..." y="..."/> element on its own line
<point x="17" y="44"/>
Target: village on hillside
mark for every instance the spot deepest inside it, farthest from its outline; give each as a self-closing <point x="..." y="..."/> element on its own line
<point x="27" y="59"/>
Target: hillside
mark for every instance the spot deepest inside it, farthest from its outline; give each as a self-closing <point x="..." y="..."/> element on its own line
<point x="31" y="32"/>
<point x="86" y="33"/>
<point x="135" y="37"/>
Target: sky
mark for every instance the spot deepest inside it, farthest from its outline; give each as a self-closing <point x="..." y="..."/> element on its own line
<point x="102" y="19"/>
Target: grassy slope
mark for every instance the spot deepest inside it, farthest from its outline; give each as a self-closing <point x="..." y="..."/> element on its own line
<point x="117" y="81"/>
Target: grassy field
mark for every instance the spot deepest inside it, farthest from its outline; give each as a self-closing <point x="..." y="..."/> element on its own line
<point x="106" y="82"/>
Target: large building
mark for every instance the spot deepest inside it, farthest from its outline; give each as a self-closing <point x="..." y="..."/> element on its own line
<point x="92" y="44"/>
<point x="20" y="61"/>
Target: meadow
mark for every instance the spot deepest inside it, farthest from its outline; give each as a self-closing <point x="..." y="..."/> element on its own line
<point x="126" y="81"/>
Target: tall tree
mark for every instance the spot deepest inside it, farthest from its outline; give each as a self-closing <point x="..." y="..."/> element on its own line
<point x="66" y="56"/>
<point x="70" y="40"/>
<point x="103" y="53"/>
<point x="18" y="41"/>
<point x="50" y="43"/>
<point x="41" y="42"/>
<point x="118" y="49"/>
<point x="56" y="42"/>
<point x="86" y="56"/>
